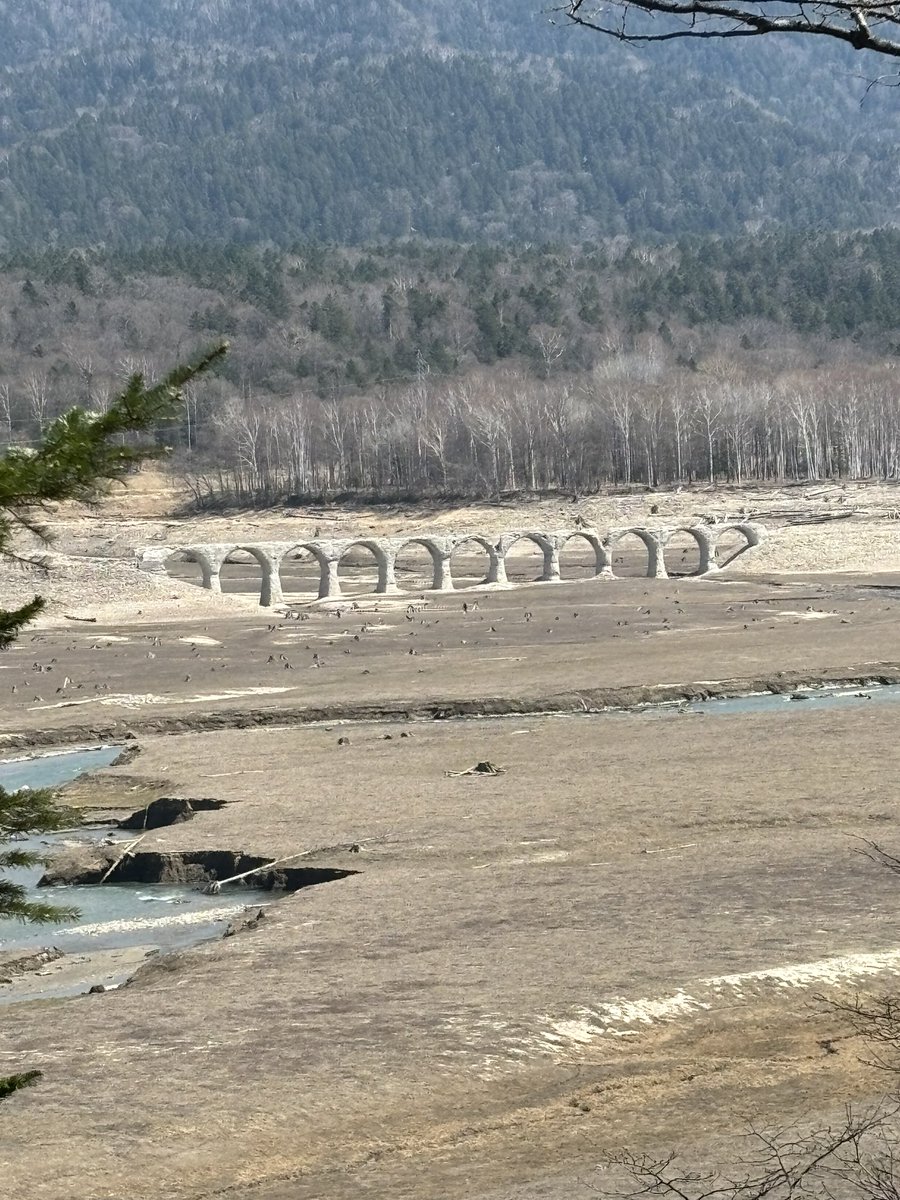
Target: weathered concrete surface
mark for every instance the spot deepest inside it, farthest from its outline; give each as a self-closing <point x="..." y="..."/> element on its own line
<point x="328" y="554"/>
<point x="421" y="1028"/>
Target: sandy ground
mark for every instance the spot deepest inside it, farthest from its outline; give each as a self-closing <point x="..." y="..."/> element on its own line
<point x="74" y="974"/>
<point x="636" y="915"/>
<point x="617" y="941"/>
<point x="536" y="644"/>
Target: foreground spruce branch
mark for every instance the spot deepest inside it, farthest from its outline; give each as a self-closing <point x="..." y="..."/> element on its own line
<point x="80" y="455"/>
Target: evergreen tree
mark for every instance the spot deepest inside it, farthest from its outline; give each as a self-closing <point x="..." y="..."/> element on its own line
<point x="80" y="454"/>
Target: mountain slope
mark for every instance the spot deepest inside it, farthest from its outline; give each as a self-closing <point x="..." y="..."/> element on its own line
<point x="160" y="120"/>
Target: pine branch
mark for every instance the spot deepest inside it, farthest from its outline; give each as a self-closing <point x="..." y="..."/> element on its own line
<point x="15" y="905"/>
<point x="19" y="860"/>
<point x="31" y="810"/>
<point x="12" y="621"/>
<point x="80" y="455"/>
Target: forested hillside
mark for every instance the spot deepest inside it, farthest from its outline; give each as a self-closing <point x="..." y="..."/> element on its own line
<point x="414" y="368"/>
<point x="455" y="249"/>
<point x="168" y="121"/>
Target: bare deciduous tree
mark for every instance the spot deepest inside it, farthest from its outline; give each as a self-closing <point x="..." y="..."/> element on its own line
<point x="861" y="24"/>
<point x="853" y="1157"/>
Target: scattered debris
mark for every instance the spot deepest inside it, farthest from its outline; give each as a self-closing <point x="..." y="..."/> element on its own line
<point x="17" y="962"/>
<point x="245" y="923"/>
<point x="480" y="768"/>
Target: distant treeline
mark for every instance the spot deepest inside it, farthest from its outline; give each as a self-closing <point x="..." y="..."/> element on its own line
<point x="417" y="366"/>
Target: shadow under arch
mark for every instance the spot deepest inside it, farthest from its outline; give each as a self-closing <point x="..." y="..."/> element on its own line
<point x="687" y="551"/>
<point x="725" y="557"/>
<point x="269" y="586"/>
<point x="327" y="583"/>
<point x="299" y="571"/>
<point x="209" y="578"/>
<point x="438" y="558"/>
<point x="626" y="562"/>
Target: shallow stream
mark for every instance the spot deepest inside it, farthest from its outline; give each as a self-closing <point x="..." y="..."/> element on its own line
<point x="802" y="699"/>
<point x="110" y="916"/>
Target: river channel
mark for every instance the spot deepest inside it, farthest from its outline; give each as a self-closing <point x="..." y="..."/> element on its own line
<point x="119" y="917"/>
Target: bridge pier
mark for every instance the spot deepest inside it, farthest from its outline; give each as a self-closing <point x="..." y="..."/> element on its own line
<point x="656" y="559"/>
<point x="603" y="560"/>
<point x="210" y="560"/>
<point x="707" y="546"/>
<point x="551" y="563"/>
<point x="497" y="569"/>
<point x="270" y="588"/>
<point x="387" y="580"/>
<point x="329" y="577"/>
<point x="443" y="574"/>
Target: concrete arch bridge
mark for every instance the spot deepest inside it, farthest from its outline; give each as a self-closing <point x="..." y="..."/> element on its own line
<point x="328" y="553"/>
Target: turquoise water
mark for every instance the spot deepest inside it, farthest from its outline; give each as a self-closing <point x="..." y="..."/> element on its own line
<point x="160" y="916"/>
<point x="786" y="705"/>
<point x="112" y="915"/>
<point x="53" y="770"/>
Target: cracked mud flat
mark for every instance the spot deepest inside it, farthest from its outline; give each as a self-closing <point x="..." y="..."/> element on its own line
<point x="617" y="941"/>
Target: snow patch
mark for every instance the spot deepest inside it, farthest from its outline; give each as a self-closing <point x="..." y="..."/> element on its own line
<point x="139" y="699"/>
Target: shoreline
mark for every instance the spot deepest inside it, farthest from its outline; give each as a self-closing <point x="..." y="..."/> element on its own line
<point x="627" y="698"/>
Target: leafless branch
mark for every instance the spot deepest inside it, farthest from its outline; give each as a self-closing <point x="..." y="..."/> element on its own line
<point x="880" y="857"/>
<point x="852" y="1157"/>
<point x="865" y="25"/>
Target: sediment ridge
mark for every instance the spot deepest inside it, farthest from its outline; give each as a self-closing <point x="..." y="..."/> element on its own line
<point x="583" y="700"/>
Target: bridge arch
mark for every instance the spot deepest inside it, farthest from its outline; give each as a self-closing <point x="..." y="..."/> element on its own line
<point x="602" y="554"/>
<point x="384" y="561"/>
<point x="492" y="566"/>
<point x="654" y="541"/>
<point x="296" y="563"/>
<point x="547" y="545"/>
<point x="208" y="561"/>
<point x="327" y="554"/>
<point x="703" y="548"/>
<point x="439" y="551"/>
<point x="413" y="563"/>
<point x="269" y="560"/>
<point x="326" y="559"/>
<point x="752" y="535"/>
